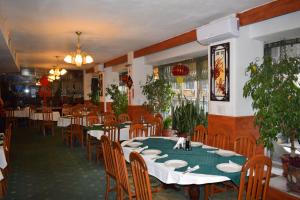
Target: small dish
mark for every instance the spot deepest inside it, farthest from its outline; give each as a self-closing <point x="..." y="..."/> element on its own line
<point x="134" y="144"/>
<point x="229" y="167"/>
<point x="196" y="144"/>
<point x="225" y="153"/>
<point x="151" y="152"/>
<point x="175" y="163"/>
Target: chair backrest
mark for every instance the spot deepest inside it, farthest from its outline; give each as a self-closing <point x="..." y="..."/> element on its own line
<point x="158" y="115"/>
<point x="255" y="178"/>
<point x="137" y="130"/>
<point x="109" y="117"/>
<point x="111" y="130"/>
<point x="92" y="119"/>
<point x="77" y="123"/>
<point x="124" y="117"/>
<point x="245" y="145"/>
<point x="47" y="115"/>
<point x="121" y="169"/>
<point x="107" y="156"/>
<point x="10" y="113"/>
<point x="200" y="134"/>
<point x="151" y="128"/>
<point x="220" y="140"/>
<point x="159" y="125"/>
<point x="7" y="141"/>
<point x="140" y="177"/>
<point x="66" y="111"/>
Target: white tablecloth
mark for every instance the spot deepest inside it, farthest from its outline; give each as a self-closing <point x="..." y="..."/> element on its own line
<point x="169" y="176"/>
<point x="21" y="113"/>
<point x="39" y="116"/>
<point x="3" y="162"/>
<point x="124" y="133"/>
<point x="65" y="121"/>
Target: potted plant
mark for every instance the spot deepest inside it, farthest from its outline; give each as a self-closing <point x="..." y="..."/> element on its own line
<point x="186" y="116"/>
<point x="159" y="94"/>
<point x="120" y="100"/>
<point x="167" y="126"/>
<point x="275" y="91"/>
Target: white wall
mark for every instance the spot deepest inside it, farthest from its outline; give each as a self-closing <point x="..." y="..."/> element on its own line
<point x="109" y="77"/>
<point x="87" y="79"/>
<point x="243" y="50"/>
<point x="139" y="72"/>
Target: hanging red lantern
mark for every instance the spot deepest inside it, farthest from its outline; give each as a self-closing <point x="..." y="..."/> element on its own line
<point x="44" y="81"/>
<point x="180" y="70"/>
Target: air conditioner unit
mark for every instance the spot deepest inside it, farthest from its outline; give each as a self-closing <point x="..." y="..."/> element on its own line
<point x="218" y="30"/>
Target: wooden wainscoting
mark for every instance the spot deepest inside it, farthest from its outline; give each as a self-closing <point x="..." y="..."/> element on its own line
<point x="234" y="126"/>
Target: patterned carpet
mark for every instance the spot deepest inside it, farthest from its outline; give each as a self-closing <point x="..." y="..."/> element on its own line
<point x="43" y="168"/>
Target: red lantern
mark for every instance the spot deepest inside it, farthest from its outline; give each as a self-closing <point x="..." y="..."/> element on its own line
<point x="180" y="70"/>
<point x="44" y="81"/>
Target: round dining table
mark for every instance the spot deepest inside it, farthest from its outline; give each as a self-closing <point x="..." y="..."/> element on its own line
<point x="205" y="160"/>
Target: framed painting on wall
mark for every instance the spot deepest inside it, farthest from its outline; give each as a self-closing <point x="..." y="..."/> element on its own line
<point x="219" y="72"/>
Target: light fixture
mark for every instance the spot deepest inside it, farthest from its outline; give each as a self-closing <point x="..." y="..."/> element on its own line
<point x="79" y="57"/>
<point x="56" y="72"/>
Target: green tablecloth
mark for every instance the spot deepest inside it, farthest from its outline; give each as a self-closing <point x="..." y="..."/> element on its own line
<point x="101" y="127"/>
<point x="197" y="156"/>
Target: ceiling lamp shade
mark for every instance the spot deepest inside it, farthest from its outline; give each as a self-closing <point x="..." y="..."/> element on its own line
<point x="180" y="70"/>
<point x="56" y="72"/>
<point x="79" y="57"/>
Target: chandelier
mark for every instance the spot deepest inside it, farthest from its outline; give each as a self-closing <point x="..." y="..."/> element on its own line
<point x="56" y="72"/>
<point x="79" y="57"/>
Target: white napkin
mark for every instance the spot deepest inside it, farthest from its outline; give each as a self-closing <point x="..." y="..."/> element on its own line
<point x="191" y="169"/>
<point x="158" y="157"/>
<point x="140" y="149"/>
<point x="179" y="143"/>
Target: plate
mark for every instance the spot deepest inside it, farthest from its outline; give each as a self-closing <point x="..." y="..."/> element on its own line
<point x="229" y="167"/>
<point x="196" y="144"/>
<point x="225" y="153"/>
<point x="97" y="124"/>
<point x="134" y="144"/>
<point x="208" y="147"/>
<point x="151" y="152"/>
<point x="175" y="163"/>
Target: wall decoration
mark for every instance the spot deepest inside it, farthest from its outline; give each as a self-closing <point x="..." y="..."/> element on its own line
<point x="219" y="72"/>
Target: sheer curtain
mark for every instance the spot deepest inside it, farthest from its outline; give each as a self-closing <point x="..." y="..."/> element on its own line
<point x="195" y="84"/>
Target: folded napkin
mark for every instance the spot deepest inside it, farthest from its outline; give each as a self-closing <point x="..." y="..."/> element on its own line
<point x="179" y="143"/>
<point x="191" y="169"/>
<point x="140" y="149"/>
<point x="235" y="164"/>
<point x="159" y="157"/>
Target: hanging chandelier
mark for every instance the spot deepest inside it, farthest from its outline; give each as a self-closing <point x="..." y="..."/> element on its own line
<point x="56" y="72"/>
<point x="79" y="57"/>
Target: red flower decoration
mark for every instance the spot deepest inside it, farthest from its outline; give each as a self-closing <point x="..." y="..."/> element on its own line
<point x="180" y="70"/>
<point x="44" y="81"/>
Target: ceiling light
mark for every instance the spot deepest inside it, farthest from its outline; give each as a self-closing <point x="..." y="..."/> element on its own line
<point x="56" y="72"/>
<point x="79" y="57"/>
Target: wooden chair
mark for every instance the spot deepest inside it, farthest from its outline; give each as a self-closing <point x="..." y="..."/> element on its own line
<point x="219" y="140"/>
<point x="109" y="117"/>
<point x="200" y="134"/>
<point x="140" y="177"/>
<point x="137" y="130"/>
<point x="10" y="117"/>
<point x="158" y="115"/>
<point x="159" y="125"/>
<point x="77" y="129"/>
<point x="111" y="131"/>
<point x="110" y="171"/>
<point x="255" y="184"/>
<point x="47" y="120"/>
<point x="124" y="117"/>
<point x="91" y="142"/>
<point x="121" y="173"/>
<point x="245" y="145"/>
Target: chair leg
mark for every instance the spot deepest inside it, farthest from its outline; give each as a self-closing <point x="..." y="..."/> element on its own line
<point x="107" y="187"/>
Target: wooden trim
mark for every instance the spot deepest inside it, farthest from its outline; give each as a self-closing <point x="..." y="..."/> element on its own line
<point x="90" y="70"/>
<point x="268" y="11"/>
<point x="169" y="43"/>
<point x="116" y="61"/>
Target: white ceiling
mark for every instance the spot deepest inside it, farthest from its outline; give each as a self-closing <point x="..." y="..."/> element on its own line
<point x="43" y="29"/>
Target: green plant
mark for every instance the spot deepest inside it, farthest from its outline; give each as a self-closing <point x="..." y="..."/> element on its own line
<point x="120" y="101"/>
<point x="187" y="115"/>
<point x="167" y="122"/>
<point x="274" y="89"/>
<point x="159" y="94"/>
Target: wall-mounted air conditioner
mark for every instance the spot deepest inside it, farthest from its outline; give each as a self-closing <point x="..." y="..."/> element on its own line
<point x="218" y="30"/>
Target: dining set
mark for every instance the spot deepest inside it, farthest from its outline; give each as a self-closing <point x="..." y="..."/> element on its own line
<point x="225" y="173"/>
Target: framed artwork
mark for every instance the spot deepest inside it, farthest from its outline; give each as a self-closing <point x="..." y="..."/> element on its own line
<point x="219" y="72"/>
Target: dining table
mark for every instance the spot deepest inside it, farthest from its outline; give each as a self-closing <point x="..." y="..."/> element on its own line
<point x="39" y="116"/>
<point x="97" y="130"/>
<point x="199" y="165"/>
<point x="3" y="162"/>
<point x="21" y="113"/>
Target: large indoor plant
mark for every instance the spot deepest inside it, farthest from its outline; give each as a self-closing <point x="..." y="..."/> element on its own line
<point x="158" y="93"/>
<point x="187" y="115"/>
<point x="274" y="89"/>
<point x="119" y="98"/>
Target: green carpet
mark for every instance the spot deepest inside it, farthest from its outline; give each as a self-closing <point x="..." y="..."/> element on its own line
<point x="44" y="168"/>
